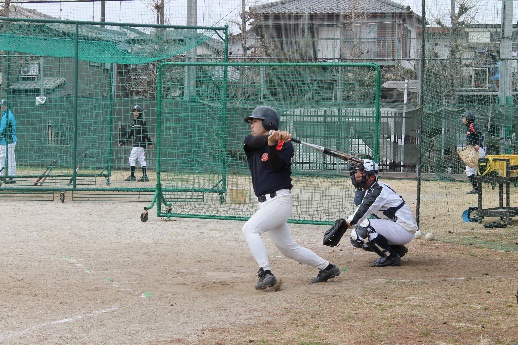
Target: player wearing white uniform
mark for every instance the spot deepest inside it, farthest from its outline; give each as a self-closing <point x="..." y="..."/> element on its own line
<point x="385" y="222"/>
<point x="269" y="152"/>
<point x="138" y="135"/>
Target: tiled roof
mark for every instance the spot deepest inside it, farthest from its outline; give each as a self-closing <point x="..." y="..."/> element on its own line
<point x="330" y="6"/>
<point x="21" y="12"/>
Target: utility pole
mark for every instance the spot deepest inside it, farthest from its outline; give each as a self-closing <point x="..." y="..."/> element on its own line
<point x="103" y="11"/>
<point x="7" y="4"/>
<point x="504" y="91"/>
<point x="160" y="12"/>
<point x="243" y="28"/>
<point x="190" y="55"/>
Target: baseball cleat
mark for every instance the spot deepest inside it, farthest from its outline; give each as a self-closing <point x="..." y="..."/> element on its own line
<point x="387" y="261"/>
<point x="325" y="275"/>
<point x="266" y="279"/>
<point x="130" y="178"/>
<point x="143" y="179"/>
<point x="473" y="191"/>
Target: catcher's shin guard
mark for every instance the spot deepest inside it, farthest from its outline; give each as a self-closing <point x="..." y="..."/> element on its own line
<point x="380" y="246"/>
<point x="388" y="256"/>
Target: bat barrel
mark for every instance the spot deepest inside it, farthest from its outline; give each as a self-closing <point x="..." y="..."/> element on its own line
<point x="340" y="155"/>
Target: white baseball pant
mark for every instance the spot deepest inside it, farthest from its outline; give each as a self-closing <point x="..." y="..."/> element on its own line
<point x="272" y="218"/>
<point x="392" y="231"/>
<point x="137" y="153"/>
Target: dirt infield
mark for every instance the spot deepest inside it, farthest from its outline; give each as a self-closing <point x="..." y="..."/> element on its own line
<point x="93" y="273"/>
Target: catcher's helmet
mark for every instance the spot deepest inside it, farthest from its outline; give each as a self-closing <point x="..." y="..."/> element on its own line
<point x="4" y="102"/>
<point x="368" y="168"/>
<point x="470" y="117"/>
<point x="137" y="107"/>
<point x="269" y="116"/>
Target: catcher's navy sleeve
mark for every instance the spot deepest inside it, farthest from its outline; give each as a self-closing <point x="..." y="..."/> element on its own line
<point x="368" y="200"/>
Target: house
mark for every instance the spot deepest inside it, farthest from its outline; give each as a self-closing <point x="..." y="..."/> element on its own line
<point x="380" y="31"/>
<point x="478" y="49"/>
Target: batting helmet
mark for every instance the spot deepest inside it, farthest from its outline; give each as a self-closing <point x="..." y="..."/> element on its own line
<point x="4" y="102"/>
<point x="470" y="117"/>
<point x="269" y="116"/>
<point x="137" y="107"/>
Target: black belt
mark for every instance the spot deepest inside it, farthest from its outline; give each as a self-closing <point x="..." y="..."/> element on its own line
<point x="262" y="198"/>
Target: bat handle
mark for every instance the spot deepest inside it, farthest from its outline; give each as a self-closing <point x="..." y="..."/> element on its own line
<point x="295" y="140"/>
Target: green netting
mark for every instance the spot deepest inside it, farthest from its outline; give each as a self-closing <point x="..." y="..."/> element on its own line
<point x="70" y="108"/>
<point x="200" y="160"/>
<point x="103" y="42"/>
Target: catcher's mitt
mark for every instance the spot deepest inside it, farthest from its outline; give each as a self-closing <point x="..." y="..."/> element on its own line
<point x="469" y="156"/>
<point x="333" y="236"/>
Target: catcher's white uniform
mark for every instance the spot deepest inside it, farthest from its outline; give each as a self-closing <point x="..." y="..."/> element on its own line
<point x="392" y="217"/>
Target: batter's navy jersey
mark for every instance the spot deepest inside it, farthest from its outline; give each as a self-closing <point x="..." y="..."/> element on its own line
<point x="266" y="179"/>
<point x="473" y="135"/>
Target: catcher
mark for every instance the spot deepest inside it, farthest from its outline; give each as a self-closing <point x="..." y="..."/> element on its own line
<point x="384" y="221"/>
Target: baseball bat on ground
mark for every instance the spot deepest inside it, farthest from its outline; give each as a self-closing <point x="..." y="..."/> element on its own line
<point x="39" y="181"/>
<point x="340" y="155"/>
<point x="77" y="169"/>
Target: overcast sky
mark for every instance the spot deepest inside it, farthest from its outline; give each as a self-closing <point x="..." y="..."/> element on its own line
<point x="222" y="12"/>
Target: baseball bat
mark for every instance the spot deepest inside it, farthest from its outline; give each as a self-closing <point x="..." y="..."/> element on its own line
<point x="39" y="181"/>
<point x="340" y="155"/>
<point x="77" y="169"/>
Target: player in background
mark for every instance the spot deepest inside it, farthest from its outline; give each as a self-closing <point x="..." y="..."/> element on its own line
<point x="8" y="141"/>
<point x="138" y="135"/>
<point x="269" y="153"/>
<point x="474" y="138"/>
<point x="384" y="221"/>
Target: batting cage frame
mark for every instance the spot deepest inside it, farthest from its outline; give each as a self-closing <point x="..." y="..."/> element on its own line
<point x="331" y="104"/>
<point x="71" y="86"/>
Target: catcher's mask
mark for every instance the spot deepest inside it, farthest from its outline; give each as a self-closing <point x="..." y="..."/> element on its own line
<point x="269" y="116"/>
<point x="368" y="168"/>
<point x="352" y="171"/>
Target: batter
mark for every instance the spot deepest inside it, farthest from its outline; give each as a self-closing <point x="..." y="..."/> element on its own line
<point x="269" y="153"/>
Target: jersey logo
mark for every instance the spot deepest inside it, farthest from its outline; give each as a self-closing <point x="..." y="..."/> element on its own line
<point x="279" y="145"/>
<point x="264" y="157"/>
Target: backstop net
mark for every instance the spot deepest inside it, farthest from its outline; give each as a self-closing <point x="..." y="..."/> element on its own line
<point x="201" y="166"/>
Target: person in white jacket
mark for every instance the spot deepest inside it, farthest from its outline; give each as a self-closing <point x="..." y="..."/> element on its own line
<point x="384" y="222"/>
